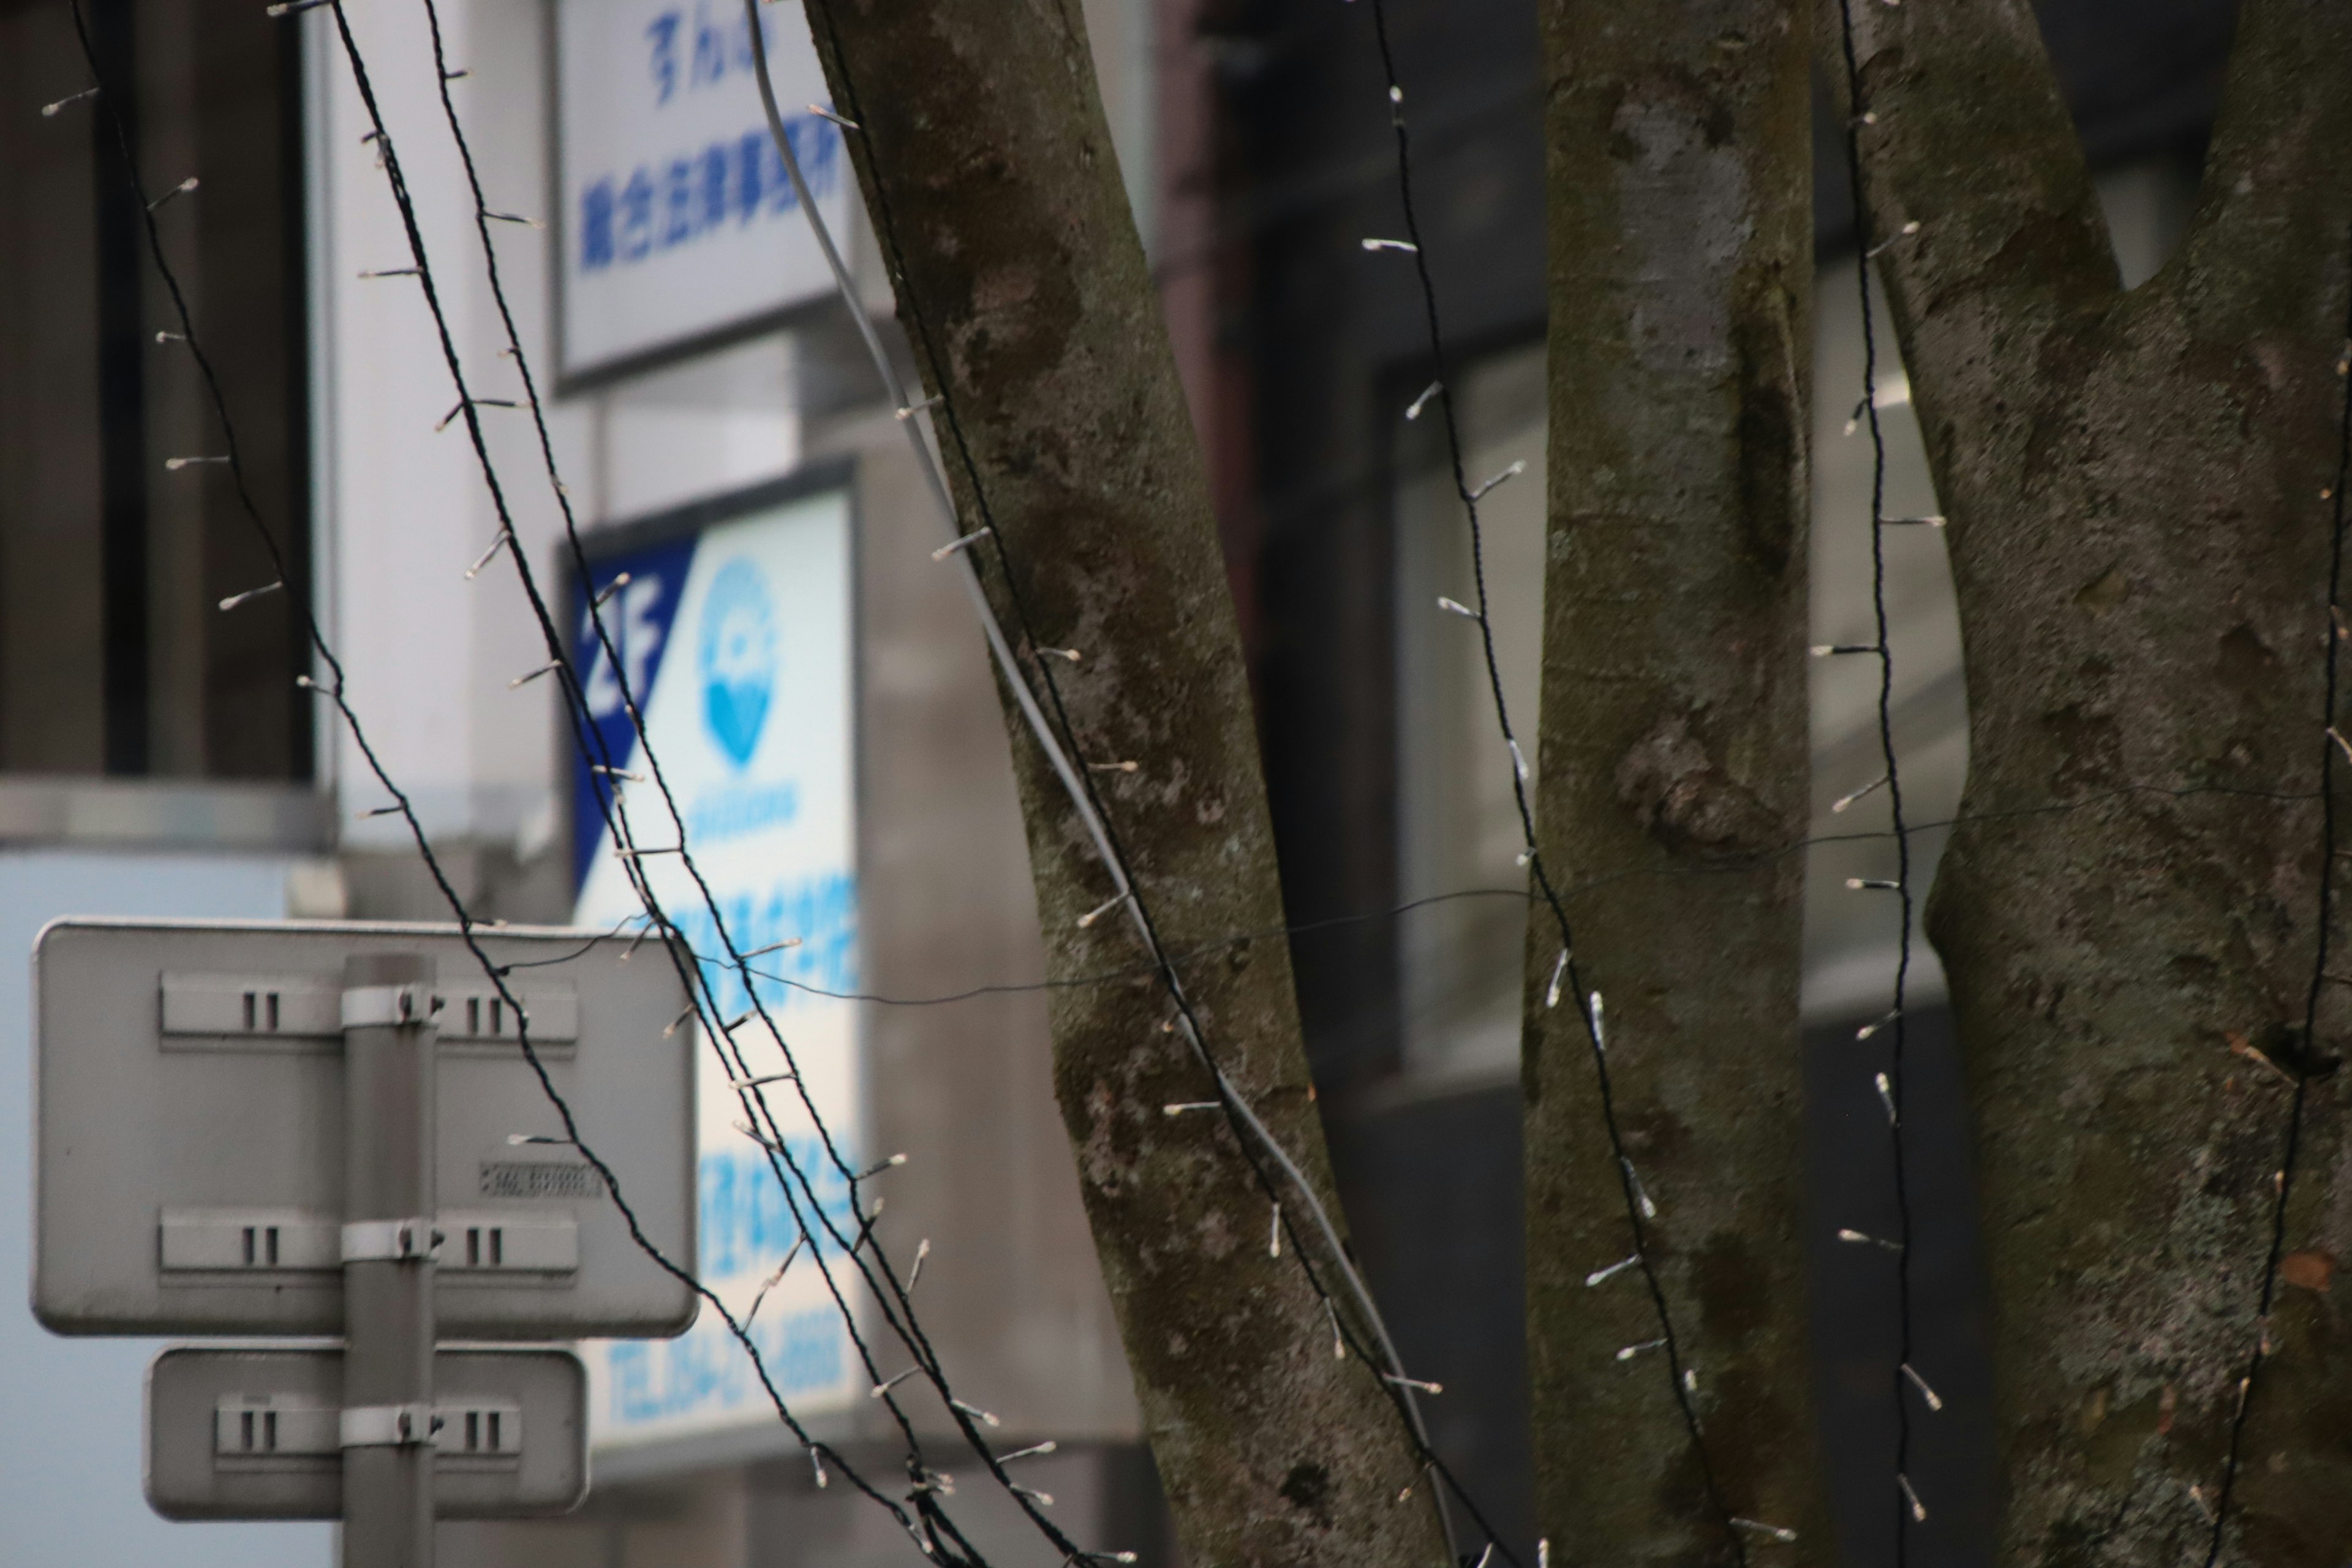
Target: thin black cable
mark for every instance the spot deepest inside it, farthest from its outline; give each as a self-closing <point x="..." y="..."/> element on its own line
<point x="1629" y="1189"/>
<point x="895" y="1302"/>
<point x="582" y="951"/>
<point x="615" y="820"/>
<point x="2328" y="745"/>
<point x="1078" y="782"/>
<point x="298" y="594"/>
<point x="720" y="1037"/>
<point x="1728" y="866"/>
<point x="1907" y="1508"/>
<point x="466" y="923"/>
<point x="1240" y="1120"/>
<point x="776" y="1147"/>
<point x="774" y="1144"/>
<point x="1731" y="865"/>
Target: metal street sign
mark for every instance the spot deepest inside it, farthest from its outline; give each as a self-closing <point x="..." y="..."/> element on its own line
<point x="260" y="1433"/>
<point x="191" y="1131"/>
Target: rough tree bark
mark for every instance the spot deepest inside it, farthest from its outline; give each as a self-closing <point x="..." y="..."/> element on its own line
<point x="987" y="168"/>
<point x="2136" y="484"/>
<point x="1672" y="771"/>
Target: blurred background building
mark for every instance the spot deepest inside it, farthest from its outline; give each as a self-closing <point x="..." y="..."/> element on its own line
<point x="157" y="757"/>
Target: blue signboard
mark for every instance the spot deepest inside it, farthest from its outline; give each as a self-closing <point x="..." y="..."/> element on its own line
<point x="734" y="642"/>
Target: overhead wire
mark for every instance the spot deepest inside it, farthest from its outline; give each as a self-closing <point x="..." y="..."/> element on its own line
<point x="1730" y="865"/>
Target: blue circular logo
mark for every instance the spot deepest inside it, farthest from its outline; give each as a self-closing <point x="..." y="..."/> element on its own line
<point x="738" y="658"/>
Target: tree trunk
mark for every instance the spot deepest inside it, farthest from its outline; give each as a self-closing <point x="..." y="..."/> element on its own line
<point x="987" y="168"/>
<point x="1672" y="777"/>
<point x="2138" y="492"/>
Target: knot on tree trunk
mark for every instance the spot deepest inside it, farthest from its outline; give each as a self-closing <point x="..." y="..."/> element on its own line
<point x="1685" y="800"/>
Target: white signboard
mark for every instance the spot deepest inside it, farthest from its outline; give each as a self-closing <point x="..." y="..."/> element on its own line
<point x="737" y="640"/>
<point x="190" y="1110"/>
<point x="677" y="224"/>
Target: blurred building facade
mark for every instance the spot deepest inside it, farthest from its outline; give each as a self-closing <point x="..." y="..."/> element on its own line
<point x="155" y="755"/>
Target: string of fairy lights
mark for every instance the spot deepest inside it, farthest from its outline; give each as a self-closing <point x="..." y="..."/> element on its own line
<point x="936" y="1534"/>
<point x="1355" y="1321"/>
<point x="1566" y="978"/>
<point x="1908" y="1383"/>
<point x="1909" y="1386"/>
<point x="920" y="1511"/>
<point x="1271" y="1166"/>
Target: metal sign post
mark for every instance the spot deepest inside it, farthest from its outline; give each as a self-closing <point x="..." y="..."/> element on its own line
<point x="252" y="1128"/>
<point x="189" y="1119"/>
<point x="389" y="1241"/>
<point x="238" y="1433"/>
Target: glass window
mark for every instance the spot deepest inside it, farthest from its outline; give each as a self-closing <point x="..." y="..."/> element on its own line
<point x="114" y="655"/>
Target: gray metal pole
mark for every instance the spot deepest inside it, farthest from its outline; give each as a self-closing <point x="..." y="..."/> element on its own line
<point x="388" y="1242"/>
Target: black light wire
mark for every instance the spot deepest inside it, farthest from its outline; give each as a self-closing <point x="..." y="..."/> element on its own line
<point x="1628" y="1189"/>
<point x="2329" y="741"/>
<point x="777" y="1150"/>
<point x="299" y="595"/>
<point x="896" y="1308"/>
<point x="1908" y="1510"/>
<point x="466" y="923"/>
<point x="1728" y="866"/>
<point x="939" y="1535"/>
<point x="1240" y="1119"/>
